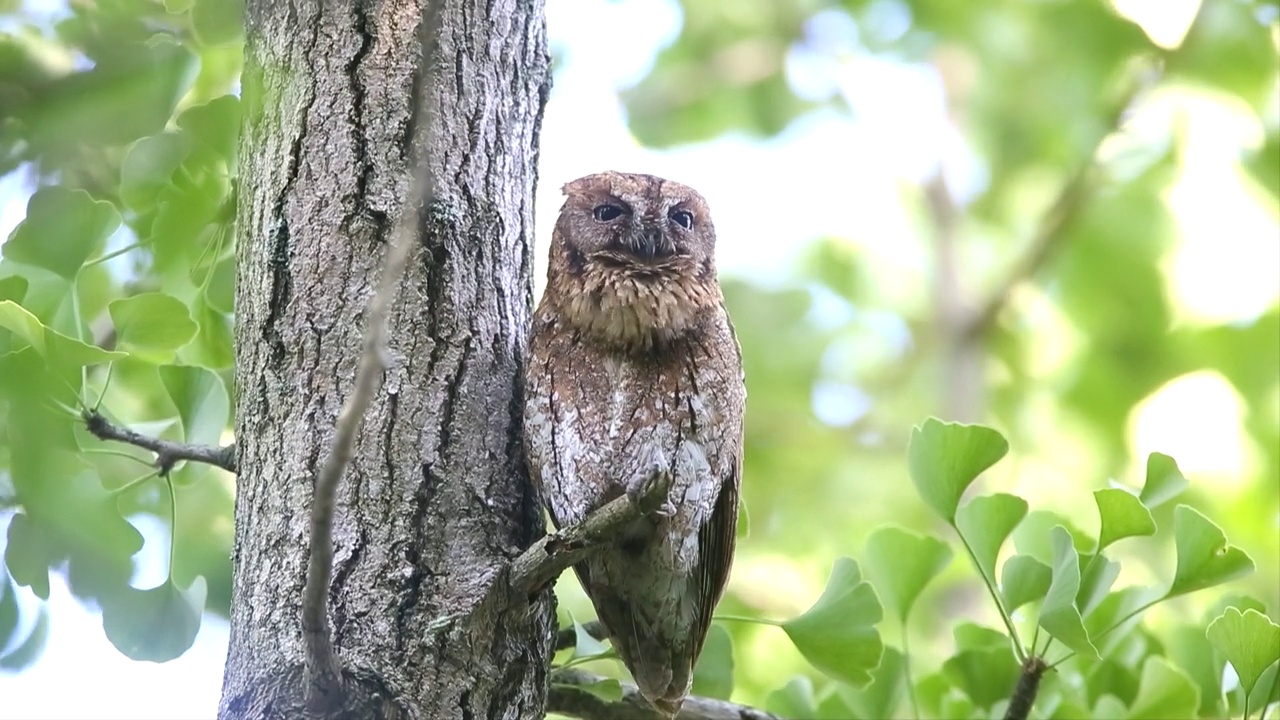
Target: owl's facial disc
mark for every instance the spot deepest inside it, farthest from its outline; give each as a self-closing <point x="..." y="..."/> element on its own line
<point x="644" y="239"/>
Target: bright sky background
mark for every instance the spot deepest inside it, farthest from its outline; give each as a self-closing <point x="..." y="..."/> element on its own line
<point x="828" y="175"/>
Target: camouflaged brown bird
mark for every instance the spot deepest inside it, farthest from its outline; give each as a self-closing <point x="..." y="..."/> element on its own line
<point x="634" y="373"/>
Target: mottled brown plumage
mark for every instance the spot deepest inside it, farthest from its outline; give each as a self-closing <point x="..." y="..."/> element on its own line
<point x="634" y="370"/>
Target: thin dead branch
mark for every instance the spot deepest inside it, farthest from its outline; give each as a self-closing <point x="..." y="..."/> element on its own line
<point x="168" y="453"/>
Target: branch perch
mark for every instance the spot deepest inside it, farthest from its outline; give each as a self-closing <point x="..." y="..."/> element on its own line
<point x="168" y="453"/>
<point x="543" y="562"/>
<point x="567" y="697"/>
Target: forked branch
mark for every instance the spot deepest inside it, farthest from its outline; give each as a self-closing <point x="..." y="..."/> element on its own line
<point x="168" y="453"/>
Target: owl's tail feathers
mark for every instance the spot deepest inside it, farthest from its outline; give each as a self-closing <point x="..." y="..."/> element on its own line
<point x="668" y="708"/>
<point x="661" y="668"/>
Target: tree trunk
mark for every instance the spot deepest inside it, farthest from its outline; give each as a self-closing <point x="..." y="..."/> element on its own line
<point x="436" y="499"/>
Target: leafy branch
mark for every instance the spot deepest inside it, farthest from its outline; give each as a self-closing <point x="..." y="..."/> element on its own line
<point x="946" y="458"/>
<point x="168" y="453"/>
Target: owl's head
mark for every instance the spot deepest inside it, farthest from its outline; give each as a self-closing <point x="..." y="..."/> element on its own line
<point x="633" y="258"/>
<point x="638" y="220"/>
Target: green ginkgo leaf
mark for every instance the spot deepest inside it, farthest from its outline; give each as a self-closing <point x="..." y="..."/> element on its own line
<point x="584" y="643"/>
<point x="838" y="635"/>
<point x="607" y="689"/>
<point x="1097" y="575"/>
<point x="1187" y="647"/>
<point x="1121" y="515"/>
<point x="201" y="400"/>
<point x="218" y="22"/>
<point x="1204" y="557"/>
<point x="1110" y="677"/>
<point x="1058" y="613"/>
<point x="1164" y="693"/>
<point x="148" y="168"/>
<point x="1117" y="611"/>
<point x="29" y="650"/>
<point x="1164" y="481"/>
<point x="972" y="636"/>
<point x="13" y="287"/>
<point x="212" y="346"/>
<point x="56" y="348"/>
<point x="152" y="322"/>
<point x="91" y="514"/>
<point x="1267" y="690"/>
<point x="31" y="547"/>
<point x="8" y="609"/>
<point x="159" y="624"/>
<point x="1248" y="640"/>
<point x="793" y="700"/>
<point x="945" y="458"/>
<point x="986" y="675"/>
<point x="713" y="675"/>
<point x="1033" y="536"/>
<point x="901" y="563"/>
<point x="879" y="699"/>
<point x="1023" y="579"/>
<point x="61" y="229"/>
<point x="214" y="127"/>
<point x="985" y="522"/>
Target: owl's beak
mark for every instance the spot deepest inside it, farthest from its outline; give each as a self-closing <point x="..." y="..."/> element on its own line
<point x="650" y="242"/>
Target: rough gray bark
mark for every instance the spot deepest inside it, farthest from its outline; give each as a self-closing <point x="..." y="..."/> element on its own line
<point x="436" y="500"/>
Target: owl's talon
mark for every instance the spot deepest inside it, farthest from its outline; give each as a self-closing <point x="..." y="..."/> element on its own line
<point x="651" y="483"/>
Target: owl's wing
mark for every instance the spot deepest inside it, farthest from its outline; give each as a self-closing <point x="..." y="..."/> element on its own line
<point x="715" y="552"/>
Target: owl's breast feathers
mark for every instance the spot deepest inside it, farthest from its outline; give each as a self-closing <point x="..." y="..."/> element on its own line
<point x="591" y="412"/>
<point x="633" y="307"/>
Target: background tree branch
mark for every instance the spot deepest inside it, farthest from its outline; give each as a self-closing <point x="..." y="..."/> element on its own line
<point x="1051" y="229"/>
<point x="567" y="697"/>
<point x="965" y="319"/>
<point x="1049" y="234"/>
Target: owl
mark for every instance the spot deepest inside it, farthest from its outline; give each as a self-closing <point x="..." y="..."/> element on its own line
<point x="634" y="376"/>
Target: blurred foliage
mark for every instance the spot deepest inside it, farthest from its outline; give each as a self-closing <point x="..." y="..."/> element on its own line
<point x="1064" y="106"/>
<point x="116" y="293"/>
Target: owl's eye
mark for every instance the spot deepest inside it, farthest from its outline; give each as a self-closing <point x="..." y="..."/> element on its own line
<point x="684" y="218"/>
<point x="606" y="212"/>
